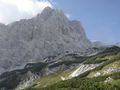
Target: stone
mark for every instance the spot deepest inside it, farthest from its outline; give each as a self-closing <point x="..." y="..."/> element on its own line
<point x="31" y="40"/>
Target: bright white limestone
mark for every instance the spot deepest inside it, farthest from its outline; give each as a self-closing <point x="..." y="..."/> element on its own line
<point x="83" y="68"/>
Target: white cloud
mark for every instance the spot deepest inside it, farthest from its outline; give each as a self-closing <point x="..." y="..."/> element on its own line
<point x="14" y="10"/>
<point x="68" y="15"/>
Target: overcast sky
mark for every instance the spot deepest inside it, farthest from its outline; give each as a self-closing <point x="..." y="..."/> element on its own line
<point x="100" y="18"/>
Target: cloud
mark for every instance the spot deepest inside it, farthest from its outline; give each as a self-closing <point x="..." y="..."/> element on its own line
<point x="68" y="15"/>
<point x="14" y="10"/>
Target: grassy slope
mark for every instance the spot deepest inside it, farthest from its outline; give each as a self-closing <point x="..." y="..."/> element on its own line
<point x="110" y="57"/>
<point x="51" y="79"/>
<point x="106" y="70"/>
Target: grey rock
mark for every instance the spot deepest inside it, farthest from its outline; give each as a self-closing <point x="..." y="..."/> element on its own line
<point x="83" y="68"/>
<point x="31" y="40"/>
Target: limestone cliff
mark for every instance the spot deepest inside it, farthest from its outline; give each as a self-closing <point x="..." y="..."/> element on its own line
<point x="48" y="34"/>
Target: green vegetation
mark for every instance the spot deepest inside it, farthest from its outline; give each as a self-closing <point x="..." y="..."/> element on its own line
<point x="35" y="67"/>
<point x="52" y="79"/>
<point x="104" y="56"/>
<point x="13" y="78"/>
<point x="68" y="62"/>
<point x="107" y="69"/>
<point x="109" y="59"/>
<point x="96" y="83"/>
<point x="111" y="81"/>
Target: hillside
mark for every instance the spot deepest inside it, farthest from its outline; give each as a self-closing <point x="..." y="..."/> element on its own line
<point x="70" y="69"/>
<point x="32" y="72"/>
<point x="104" y="77"/>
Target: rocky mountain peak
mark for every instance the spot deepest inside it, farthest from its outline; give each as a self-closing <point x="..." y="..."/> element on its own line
<point x="48" y="34"/>
<point x="50" y="12"/>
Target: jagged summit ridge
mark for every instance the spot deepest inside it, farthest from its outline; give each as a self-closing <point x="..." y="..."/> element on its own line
<point x="48" y="34"/>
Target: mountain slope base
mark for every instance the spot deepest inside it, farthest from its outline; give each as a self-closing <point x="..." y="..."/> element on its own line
<point x="88" y="81"/>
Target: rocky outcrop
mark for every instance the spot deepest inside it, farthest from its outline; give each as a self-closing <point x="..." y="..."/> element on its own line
<point x="83" y="68"/>
<point x="48" y="34"/>
<point x="31" y="77"/>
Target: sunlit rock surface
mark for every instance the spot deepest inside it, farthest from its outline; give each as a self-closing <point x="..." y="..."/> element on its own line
<point x="48" y="34"/>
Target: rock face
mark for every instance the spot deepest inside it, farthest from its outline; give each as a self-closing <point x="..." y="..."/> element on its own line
<point x="83" y="68"/>
<point x="48" y="34"/>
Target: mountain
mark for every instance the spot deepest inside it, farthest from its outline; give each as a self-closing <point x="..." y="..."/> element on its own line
<point x="51" y="52"/>
<point x="67" y="72"/>
<point x="98" y="72"/>
<point x="50" y="33"/>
